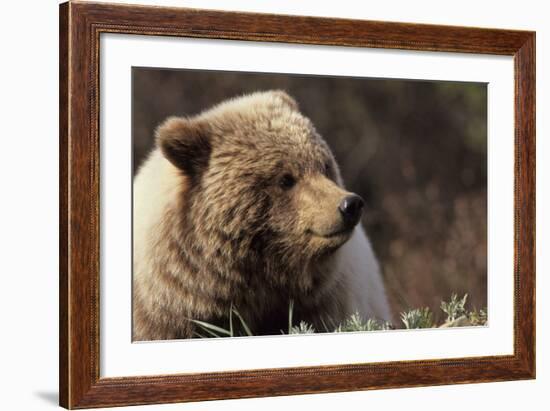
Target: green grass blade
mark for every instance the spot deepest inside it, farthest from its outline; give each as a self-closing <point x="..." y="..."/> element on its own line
<point x="197" y="334"/>
<point x="211" y="333"/>
<point x="324" y="324"/>
<point x="243" y="322"/>
<point x="231" y="321"/>
<point x="211" y="328"/>
<point x="290" y="310"/>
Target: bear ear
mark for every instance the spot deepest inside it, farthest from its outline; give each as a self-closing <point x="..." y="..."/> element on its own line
<point x="185" y="143"/>
<point x="286" y="99"/>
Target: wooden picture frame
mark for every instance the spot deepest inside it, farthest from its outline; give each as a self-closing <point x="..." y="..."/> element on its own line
<point x="80" y="27"/>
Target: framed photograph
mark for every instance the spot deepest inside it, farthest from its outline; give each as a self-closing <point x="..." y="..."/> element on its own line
<point x="259" y="205"/>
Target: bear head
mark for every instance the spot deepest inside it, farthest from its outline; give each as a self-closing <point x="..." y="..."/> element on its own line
<point x="263" y="190"/>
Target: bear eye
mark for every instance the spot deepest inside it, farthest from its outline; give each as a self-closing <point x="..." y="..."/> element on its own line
<point x="328" y="169"/>
<point x="287" y="181"/>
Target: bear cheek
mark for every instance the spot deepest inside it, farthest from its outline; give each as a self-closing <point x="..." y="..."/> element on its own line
<point x="283" y="220"/>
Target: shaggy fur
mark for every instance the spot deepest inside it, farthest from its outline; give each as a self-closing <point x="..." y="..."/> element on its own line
<point x="238" y="206"/>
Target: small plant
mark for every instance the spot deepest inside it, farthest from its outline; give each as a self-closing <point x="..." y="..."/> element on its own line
<point x="356" y="323"/>
<point x="302" y="328"/>
<point x="478" y="317"/>
<point x="454" y="308"/>
<point x="418" y="318"/>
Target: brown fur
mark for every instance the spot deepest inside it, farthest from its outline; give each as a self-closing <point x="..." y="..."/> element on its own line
<point x="215" y="227"/>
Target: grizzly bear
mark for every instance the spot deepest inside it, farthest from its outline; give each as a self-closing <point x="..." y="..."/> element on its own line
<point x="243" y="206"/>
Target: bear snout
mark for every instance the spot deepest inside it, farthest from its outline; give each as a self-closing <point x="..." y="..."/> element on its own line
<point x="351" y="208"/>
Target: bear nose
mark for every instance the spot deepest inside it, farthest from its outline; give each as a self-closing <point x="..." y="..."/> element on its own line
<point x="351" y="208"/>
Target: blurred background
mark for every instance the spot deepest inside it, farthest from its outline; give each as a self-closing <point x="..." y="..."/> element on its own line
<point x="416" y="151"/>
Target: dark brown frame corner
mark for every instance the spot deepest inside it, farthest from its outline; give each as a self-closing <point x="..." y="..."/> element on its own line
<point x="81" y="24"/>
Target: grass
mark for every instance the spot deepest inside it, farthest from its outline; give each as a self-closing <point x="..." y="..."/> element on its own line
<point x="418" y="318"/>
<point x="455" y="310"/>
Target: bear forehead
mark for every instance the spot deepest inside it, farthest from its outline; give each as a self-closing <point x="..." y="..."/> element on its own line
<point x="265" y="122"/>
